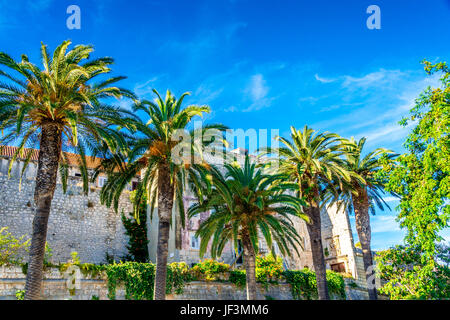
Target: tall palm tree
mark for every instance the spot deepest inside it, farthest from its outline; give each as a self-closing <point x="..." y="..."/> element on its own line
<point x="246" y="202"/>
<point x="313" y="162"/>
<point x="362" y="196"/>
<point x="154" y="151"/>
<point x="56" y="108"/>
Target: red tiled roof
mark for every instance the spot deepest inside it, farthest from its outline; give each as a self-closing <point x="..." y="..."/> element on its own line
<point x="72" y="158"/>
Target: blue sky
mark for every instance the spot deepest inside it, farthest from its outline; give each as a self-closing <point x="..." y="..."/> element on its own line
<point x="260" y="64"/>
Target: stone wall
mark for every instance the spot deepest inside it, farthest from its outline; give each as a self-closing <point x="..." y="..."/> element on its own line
<point x="55" y="288"/>
<point x="201" y="290"/>
<point x="77" y="222"/>
<point x="337" y="242"/>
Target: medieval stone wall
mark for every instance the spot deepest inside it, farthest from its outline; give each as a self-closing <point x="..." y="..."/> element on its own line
<point x="55" y="287"/>
<point x="77" y="222"/>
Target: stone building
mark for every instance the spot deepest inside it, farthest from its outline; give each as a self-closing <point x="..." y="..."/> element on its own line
<point x="77" y="222"/>
<point x="80" y="223"/>
<point x="337" y="239"/>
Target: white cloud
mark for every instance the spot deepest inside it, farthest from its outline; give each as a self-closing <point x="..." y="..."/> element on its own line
<point x="323" y="80"/>
<point x="257" y="91"/>
<point x="373" y="79"/>
<point x="257" y="87"/>
<point x="390" y="132"/>
<point x="206" y="94"/>
<point x="231" y="109"/>
<point x="145" y="88"/>
<point x="385" y="96"/>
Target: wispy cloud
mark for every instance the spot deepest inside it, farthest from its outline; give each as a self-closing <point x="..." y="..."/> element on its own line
<point x="143" y="89"/>
<point x="257" y="90"/>
<point x="382" y="98"/>
<point x="379" y="78"/>
<point x="323" y="80"/>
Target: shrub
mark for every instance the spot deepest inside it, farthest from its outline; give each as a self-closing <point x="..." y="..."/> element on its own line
<point x="210" y="270"/>
<point x="304" y="286"/>
<point x="138" y="279"/>
<point x="11" y="247"/>
<point x="20" y="294"/>
<point x="268" y="268"/>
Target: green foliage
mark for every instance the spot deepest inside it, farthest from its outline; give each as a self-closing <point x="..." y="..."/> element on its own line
<point x="87" y="269"/>
<point x="136" y="230"/>
<point x="365" y="188"/>
<point x="48" y="254"/>
<point x="20" y="294"/>
<point x="238" y="277"/>
<point x="403" y="269"/>
<point x="268" y="269"/>
<point x="246" y="203"/>
<point x="421" y="178"/>
<point x="209" y="269"/>
<point x="10" y="247"/>
<point x="178" y="274"/>
<point x="302" y="282"/>
<point x="138" y="279"/>
<point x="94" y="297"/>
<point x="304" y="286"/>
<point x="62" y="93"/>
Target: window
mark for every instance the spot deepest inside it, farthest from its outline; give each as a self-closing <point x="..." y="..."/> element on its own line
<point x="195" y="242"/>
<point x="101" y="181"/>
<point x="338" y="267"/>
<point x="240" y="249"/>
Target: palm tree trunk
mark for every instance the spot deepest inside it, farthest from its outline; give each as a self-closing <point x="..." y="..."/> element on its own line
<point x="315" y="236"/>
<point x="362" y="222"/>
<point x="50" y="150"/>
<point x="250" y="267"/>
<point x="165" y="205"/>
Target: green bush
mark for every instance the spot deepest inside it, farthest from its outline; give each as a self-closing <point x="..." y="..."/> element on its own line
<point x="10" y="247"/>
<point x="138" y="279"/>
<point x="20" y="294"/>
<point x="209" y="270"/>
<point x="238" y="277"/>
<point x="268" y="269"/>
<point x="304" y="286"/>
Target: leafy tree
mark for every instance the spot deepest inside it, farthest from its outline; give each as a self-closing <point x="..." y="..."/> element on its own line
<point x="407" y="275"/>
<point x="245" y="201"/>
<point x="421" y="177"/>
<point x="361" y="195"/>
<point x="313" y="162"/>
<point x="153" y="151"/>
<point x="54" y="108"/>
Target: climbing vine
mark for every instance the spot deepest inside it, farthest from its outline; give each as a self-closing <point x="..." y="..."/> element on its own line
<point x="138" y="279"/>
<point x="304" y="286"/>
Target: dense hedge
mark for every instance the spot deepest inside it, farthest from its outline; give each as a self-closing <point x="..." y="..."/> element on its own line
<point x="304" y="286"/>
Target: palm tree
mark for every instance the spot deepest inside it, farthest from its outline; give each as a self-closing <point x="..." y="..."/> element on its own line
<point x="154" y="152"/>
<point x="246" y="202"/>
<point x="312" y="161"/>
<point x="362" y="195"/>
<point x="56" y="108"/>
